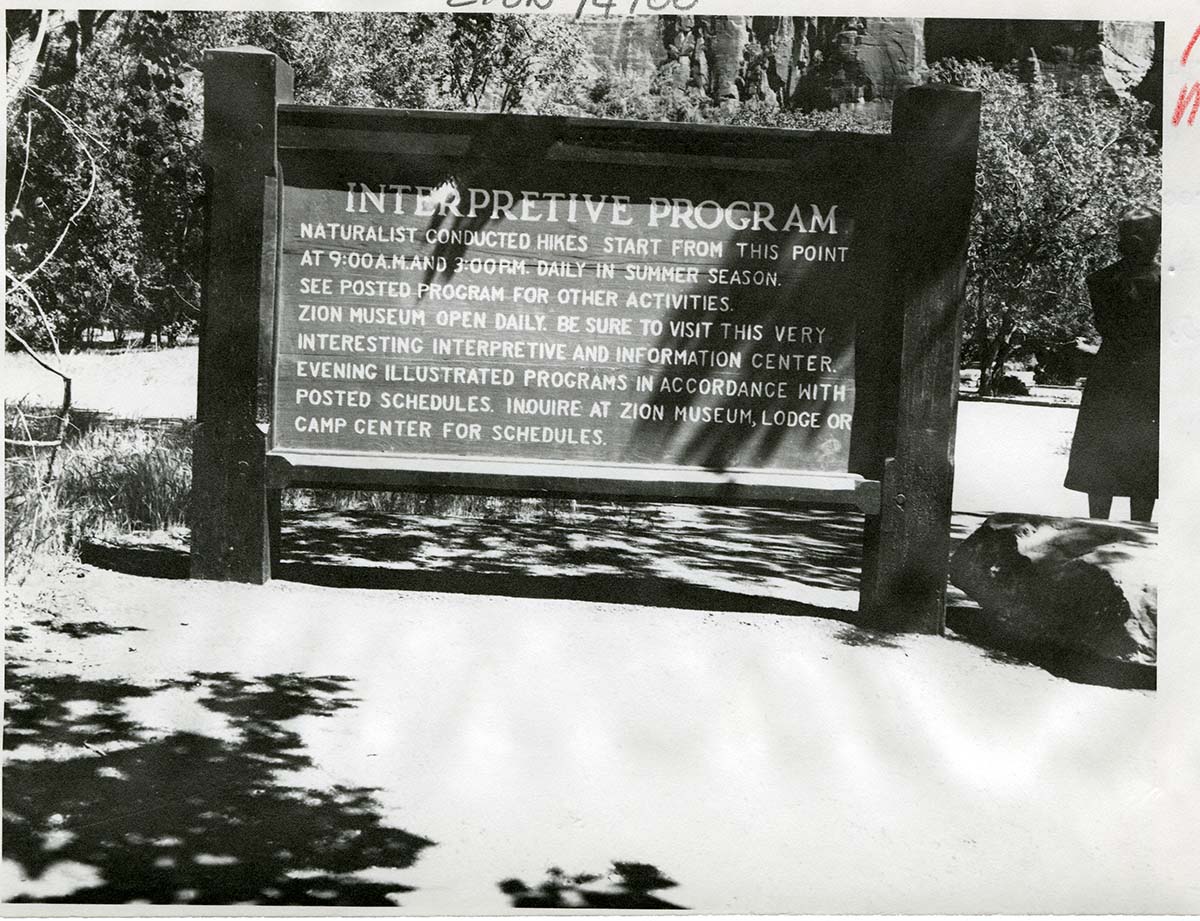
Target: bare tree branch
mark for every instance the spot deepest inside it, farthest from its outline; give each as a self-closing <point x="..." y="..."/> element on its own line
<point x="179" y="295"/>
<point x="25" y="168"/>
<point x="17" y="83"/>
<point x="64" y="413"/>
<point x="22" y="443"/>
<point x="70" y="126"/>
<point x="41" y="313"/>
<point x="95" y="139"/>
<point x="28" y="350"/>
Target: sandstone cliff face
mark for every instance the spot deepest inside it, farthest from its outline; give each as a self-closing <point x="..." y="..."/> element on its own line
<point x="814" y="62"/>
<point x="866" y="61"/>
<point x="782" y="60"/>
<point x="1121" y="54"/>
<point x="1127" y="51"/>
<point x="630" y="45"/>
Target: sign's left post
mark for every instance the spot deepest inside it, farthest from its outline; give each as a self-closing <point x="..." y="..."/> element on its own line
<point x="233" y="515"/>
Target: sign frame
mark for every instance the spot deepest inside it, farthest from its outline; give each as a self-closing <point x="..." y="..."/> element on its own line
<point x="906" y="357"/>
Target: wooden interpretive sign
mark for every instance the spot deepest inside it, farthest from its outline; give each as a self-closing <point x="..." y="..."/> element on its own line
<point x="700" y="317"/>
<point x="574" y="306"/>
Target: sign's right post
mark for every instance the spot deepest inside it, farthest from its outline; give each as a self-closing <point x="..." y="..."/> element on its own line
<point x="906" y="547"/>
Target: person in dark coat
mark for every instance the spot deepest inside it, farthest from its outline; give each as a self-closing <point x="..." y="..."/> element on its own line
<point x="1115" y="449"/>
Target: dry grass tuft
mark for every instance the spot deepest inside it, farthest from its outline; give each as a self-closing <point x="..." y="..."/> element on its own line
<point x="116" y="476"/>
<point x="111" y="478"/>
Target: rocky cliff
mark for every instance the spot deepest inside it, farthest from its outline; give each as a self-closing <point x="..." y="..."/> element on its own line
<point x="824" y="62"/>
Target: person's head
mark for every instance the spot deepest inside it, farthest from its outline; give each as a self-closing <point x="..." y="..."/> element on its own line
<point x="1139" y="232"/>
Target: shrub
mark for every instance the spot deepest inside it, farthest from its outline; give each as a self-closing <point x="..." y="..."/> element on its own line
<point x="1057" y="165"/>
<point x="33" y="519"/>
<point x="129" y="478"/>
<point x="1009" y="386"/>
<point x="112" y="478"/>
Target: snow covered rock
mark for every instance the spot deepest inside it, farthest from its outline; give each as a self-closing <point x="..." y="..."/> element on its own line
<point x="1073" y="584"/>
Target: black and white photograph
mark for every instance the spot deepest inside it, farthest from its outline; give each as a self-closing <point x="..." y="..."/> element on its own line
<point x="473" y="457"/>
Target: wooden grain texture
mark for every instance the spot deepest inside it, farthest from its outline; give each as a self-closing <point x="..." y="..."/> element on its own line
<point x="548" y="479"/>
<point x="330" y="122"/>
<point x="230" y="521"/>
<point x="906" y="547"/>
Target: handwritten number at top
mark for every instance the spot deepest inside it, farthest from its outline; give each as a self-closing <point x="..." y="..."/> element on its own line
<point x="653" y="6"/>
<point x="603" y="8"/>
<point x="502" y="4"/>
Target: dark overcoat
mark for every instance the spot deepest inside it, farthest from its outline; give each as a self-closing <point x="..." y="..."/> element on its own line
<point x="1115" y="449"/>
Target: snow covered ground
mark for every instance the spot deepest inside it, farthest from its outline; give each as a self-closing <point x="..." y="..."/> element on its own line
<point x="203" y="743"/>
<point x="765" y="763"/>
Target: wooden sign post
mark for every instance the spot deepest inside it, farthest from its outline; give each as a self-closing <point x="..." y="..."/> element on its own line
<point x="906" y="548"/>
<point x="232" y="508"/>
<point x="582" y="307"/>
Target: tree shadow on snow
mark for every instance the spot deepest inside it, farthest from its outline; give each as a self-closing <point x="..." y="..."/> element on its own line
<point x="82" y="629"/>
<point x="185" y="817"/>
<point x="705" y="557"/>
<point x="627" y="886"/>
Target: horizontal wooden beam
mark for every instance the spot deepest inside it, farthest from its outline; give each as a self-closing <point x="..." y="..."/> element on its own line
<point x="304" y="137"/>
<point x="578" y="153"/>
<point x="667" y="484"/>
<point x="581" y="129"/>
<point x="455" y="145"/>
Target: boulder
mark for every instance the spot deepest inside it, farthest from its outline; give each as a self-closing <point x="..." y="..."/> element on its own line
<point x="1068" y="584"/>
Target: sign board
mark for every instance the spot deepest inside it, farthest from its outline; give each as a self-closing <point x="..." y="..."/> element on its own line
<point x="562" y="307"/>
<point x="565" y="306"/>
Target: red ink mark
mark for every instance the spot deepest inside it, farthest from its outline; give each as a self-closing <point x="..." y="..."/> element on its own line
<point x="1190" y="46"/>
<point x="1187" y="94"/>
